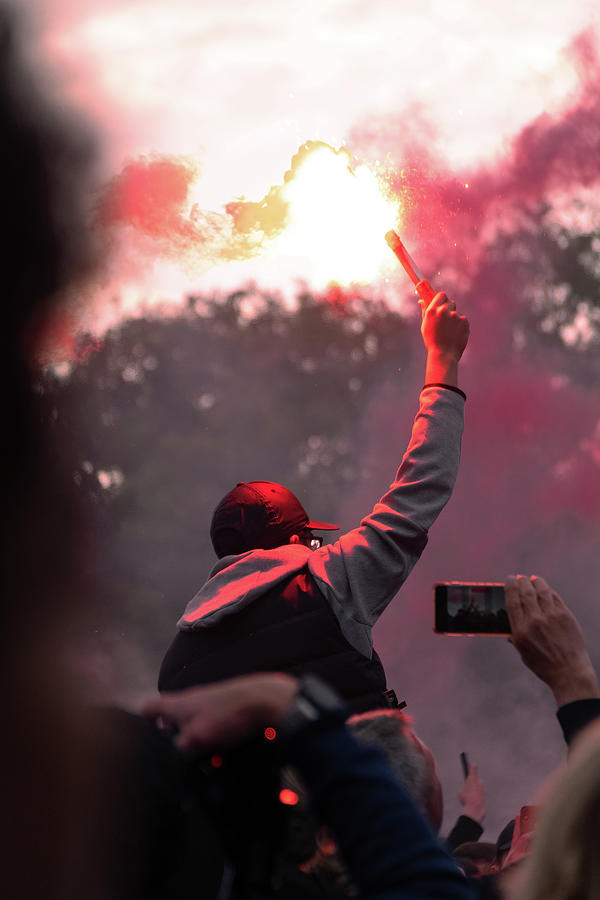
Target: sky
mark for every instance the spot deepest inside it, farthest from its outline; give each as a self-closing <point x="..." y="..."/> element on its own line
<point x="238" y="88"/>
<point x="202" y="109"/>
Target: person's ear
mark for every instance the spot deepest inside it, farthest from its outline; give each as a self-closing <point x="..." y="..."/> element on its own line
<point x="295" y="539"/>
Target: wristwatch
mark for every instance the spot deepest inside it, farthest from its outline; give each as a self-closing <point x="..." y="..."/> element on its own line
<point x="315" y="702"/>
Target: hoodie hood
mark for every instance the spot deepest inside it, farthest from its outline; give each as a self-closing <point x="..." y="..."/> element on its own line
<point x="236" y="581"/>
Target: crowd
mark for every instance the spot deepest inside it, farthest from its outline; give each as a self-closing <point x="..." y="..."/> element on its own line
<point x="275" y="762"/>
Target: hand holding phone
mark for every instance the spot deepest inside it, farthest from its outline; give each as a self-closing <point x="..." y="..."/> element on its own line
<point x="549" y="639"/>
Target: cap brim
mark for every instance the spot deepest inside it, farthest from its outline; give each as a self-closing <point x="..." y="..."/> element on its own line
<point x="323" y="526"/>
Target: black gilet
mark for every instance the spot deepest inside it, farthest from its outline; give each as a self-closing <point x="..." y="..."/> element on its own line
<point x="291" y="628"/>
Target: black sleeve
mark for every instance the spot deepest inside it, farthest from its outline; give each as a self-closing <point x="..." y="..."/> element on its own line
<point x="389" y="848"/>
<point x="465" y="830"/>
<point x="573" y="717"/>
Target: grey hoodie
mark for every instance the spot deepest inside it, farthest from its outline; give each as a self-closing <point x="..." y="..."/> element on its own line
<point x="361" y="572"/>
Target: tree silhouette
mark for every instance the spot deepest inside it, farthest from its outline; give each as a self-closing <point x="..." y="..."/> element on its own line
<point x="170" y="413"/>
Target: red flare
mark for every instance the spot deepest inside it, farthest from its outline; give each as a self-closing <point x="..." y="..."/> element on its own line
<point x="422" y="286"/>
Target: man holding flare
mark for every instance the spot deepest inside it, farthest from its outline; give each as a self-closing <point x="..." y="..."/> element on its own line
<point x="279" y="601"/>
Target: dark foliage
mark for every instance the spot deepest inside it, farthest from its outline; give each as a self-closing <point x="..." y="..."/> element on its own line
<point x="170" y="413"/>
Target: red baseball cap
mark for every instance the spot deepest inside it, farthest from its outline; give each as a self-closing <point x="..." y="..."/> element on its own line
<point x="259" y="515"/>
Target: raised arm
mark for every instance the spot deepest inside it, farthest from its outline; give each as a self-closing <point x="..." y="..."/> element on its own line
<point x="362" y="571"/>
<point x="550" y="642"/>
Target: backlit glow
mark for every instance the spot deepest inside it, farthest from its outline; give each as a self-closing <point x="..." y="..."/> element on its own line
<point x="337" y="219"/>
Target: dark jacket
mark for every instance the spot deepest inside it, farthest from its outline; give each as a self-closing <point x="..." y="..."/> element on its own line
<point x="292" y="609"/>
<point x="291" y="628"/>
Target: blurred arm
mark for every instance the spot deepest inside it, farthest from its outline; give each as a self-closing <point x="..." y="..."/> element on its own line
<point x="390" y="850"/>
<point x="472" y="796"/>
<point x="218" y="715"/>
<point x="469" y="825"/>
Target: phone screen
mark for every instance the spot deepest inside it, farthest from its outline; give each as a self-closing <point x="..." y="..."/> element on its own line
<point x="470" y="608"/>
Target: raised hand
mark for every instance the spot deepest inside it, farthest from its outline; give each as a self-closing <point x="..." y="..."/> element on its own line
<point x="549" y="639"/>
<point x="472" y="796"/>
<point x="445" y="335"/>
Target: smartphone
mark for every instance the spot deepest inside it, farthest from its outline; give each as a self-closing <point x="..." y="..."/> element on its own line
<point x="470" y="608"/>
<point x="464" y="761"/>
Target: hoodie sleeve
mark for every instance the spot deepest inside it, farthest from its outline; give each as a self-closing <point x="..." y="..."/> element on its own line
<point x="362" y="571"/>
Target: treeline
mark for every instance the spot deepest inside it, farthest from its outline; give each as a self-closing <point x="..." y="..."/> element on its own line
<point x="169" y="413"/>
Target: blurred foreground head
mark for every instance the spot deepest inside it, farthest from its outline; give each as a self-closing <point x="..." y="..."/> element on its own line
<point x="564" y="863"/>
<point x="310" y="845"/>
<point x="46" y="164"/>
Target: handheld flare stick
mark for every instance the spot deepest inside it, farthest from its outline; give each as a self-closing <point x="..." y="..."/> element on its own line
<point x="422" y="286"/>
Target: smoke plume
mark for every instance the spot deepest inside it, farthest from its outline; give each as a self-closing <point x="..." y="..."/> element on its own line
<point x="528" y="495"/>
<point x="152" y="199"/>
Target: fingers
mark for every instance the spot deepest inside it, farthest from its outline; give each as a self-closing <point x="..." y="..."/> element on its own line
<point x="437" y="306"/>
<point x="184" y="705"/>
<point x="522" y="605"/>
<point x="547" y="598"/>
<point x="171" y="709"/>
<point x="202" y="715"/>
<point x="439" y="301"/>
<point x="154" y="707"/>
<point x="513" y="603"/>
<point x="528" y="596"/>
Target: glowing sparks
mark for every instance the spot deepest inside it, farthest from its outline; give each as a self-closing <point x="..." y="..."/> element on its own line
<point x="336" y="220"/>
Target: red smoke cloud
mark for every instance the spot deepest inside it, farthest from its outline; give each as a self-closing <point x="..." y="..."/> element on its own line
<point x="528" y="494"/>
<point x="448" y="217"/>
<point x="150" y="195"/>
<point x="151" y="198"/>
<point x="554" y="153"/>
